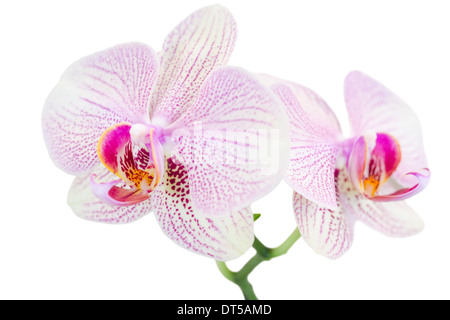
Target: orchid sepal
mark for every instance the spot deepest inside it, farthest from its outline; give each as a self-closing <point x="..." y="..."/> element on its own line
<point x="315" y="137"/>
<point x="86" y="205"/>
<point x="108" y="87"/>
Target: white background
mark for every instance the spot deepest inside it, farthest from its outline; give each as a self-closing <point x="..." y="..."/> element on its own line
<point x="46" y="252"/>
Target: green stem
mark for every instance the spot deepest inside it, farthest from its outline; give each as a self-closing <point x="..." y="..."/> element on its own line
<point x="263" y="253"/>
<point x="286" y="245"/>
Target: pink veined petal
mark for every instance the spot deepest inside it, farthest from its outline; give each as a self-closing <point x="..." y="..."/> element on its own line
<point x="219" y="237"/>
<point x="88" y="206"/>
<point x="315" y="142"/>
<point x="203" y="41"/>
<point x="233" y="141"/>
<point x="328" y="232"/>
<point x="100" y="90"/>
<point x="319" y="122"/>
<point x="394" y="219"/>
<point x="372" y="107"/>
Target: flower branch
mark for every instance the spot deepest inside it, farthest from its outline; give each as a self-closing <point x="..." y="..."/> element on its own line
<point x="263" y="253"/>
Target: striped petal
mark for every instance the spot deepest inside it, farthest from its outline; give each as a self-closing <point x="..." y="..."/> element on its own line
<point x="328" y="232"/>
<point x="373" y="108"/>
<point x="94" y="93"/>
<point x="233" y="141"/>
<point x="315" y="141"/>
<point x="88" y="206"/>
<point x="201" y="42"/>
<point x="221" y="238"/>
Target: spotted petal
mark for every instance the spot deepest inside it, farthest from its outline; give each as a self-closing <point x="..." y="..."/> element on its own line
<point x="328" y="232"/>
<point x="373" y="108"/>
<point x="233" y="141"/>
<point x="201" y="42"/>
<point x="315" y="141"/>
<point x="88" y="206"/>
<point x="100" y="90"/>
<point x="219" y="237"/>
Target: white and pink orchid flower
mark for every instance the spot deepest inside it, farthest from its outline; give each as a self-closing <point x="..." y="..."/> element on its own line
<point x="338" y="181"/>
<point x="125" y="122"/>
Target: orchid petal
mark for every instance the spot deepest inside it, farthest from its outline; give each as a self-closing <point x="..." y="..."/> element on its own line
<point x="100" y="90"/>
<point x="219" y="237"/>
<point x="394" y="219"/>
<point x="315" y="139"/>
<point x="233" y="141"/>
<point x="87" y="205"/>
<point x="372" y="107"/>
<point x="201" y="42"/>
<point x="328" y="232"/>
<point x="319" y="122"/>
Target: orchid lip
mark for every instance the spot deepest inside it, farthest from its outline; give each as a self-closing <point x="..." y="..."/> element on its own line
<point x="113" y="195"/>
<point x="423" y="177"/>
<point x="134" y="154"/>
<point x="372" y="161"/>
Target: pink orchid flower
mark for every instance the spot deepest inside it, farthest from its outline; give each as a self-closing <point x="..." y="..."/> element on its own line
<point x="123" y="121"/>
<point x="339" y="181"/>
